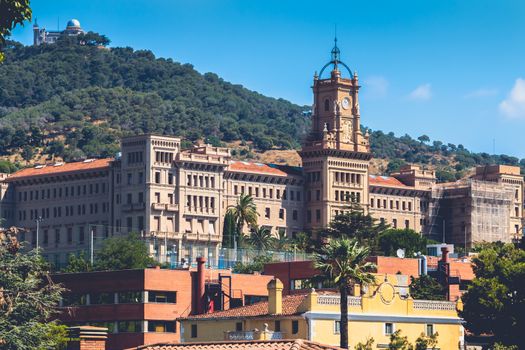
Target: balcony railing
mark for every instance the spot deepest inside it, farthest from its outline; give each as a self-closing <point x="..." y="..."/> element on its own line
<point x="253" y="335"/>
<point x="434" y="305"/>
<point x="336" y="300"/>
<point x="163" y="206"/>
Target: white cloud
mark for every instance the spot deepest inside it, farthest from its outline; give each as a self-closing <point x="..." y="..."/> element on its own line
<point x="422" y="93"/>
<point x="376" y="86"/>
<point x="514" y="105"/>
<point x="481" y="93"/>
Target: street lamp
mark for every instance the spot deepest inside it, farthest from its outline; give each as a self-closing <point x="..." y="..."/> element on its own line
<point x="38" y="221"/>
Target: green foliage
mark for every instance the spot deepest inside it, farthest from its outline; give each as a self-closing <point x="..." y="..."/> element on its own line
<point x="398" y="342"/>
<point x="499" y="346"/>
<point x="128" y="92"/>
<point x="367" y="345"/>
<point x="57" y="334"/>
<point x="393" y="239"/>
<point x="260" y="238"/>
<point x="424" y="342"/>
<point x="7" y="167"/>
<point x="78" y="263"/>
<point x="426" y="288"/>
<point x="495" y="300"/>
<point x="257" y="265"/>
<point x="228" y="231"/>
<point x="123" y="252"/>
<point x="303" y="242"/>
<point x="13" y="12"/>
<point x="356" y="224"/>
<point x="28" y="299"/>
<point x="282" y="242"/>
<point x="343" y="262"/>
<point x="244" y="212"/>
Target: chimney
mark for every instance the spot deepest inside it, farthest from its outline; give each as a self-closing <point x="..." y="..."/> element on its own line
<point x="444" y="254"/>
<point x="275" y="297"/>
<point x="87" y="338"/>
<point x="201" y="303"/>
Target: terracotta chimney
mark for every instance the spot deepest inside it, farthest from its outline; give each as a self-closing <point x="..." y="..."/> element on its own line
<point x="444" y="254"/>
<point x="201" y="287"/>
<point x="87" y="338"/>
<point x="275" y="297"/>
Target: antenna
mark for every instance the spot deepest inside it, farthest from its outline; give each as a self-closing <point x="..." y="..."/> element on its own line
<point x="494" y="146"/>
<point x="58" y="23"/>
<point x="400" y="253"/>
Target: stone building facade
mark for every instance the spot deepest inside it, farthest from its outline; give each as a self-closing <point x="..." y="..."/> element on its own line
<point x="177" y="198"/>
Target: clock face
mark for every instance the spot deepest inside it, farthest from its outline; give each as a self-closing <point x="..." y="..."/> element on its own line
<point x="346" y="103"/>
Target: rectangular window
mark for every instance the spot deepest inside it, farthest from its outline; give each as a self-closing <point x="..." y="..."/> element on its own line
<point x="161" y="326"/>
<point x="157" y="177"/>
<point x="407" y="224"/>
<point x="318" y="215"/>
<point x="389" y="328"/>
<point x="295" y="326"/>
<point x="267" y="213"/>
<point x="194" y="331"/>
<point x="281" y="214"/>
<point x="394" y="223"/>
<point x="238" y="326"/>
<point x="69" y="235"/>
<point x="277" y="326"/>
<point x="129" y="326"/>
<point x="101" y="298"/>
<point x="170" y="178"/>
<point x="162" y="297"/>
<point x="81" y="235"/>
<point x="130" y="297"/>
<point x="337" y="327"/>
<point x="430" y="330"/>
<point x="294" y="215"/>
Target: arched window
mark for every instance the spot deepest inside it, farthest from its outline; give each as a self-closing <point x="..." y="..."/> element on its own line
<point x="327" y="105"/>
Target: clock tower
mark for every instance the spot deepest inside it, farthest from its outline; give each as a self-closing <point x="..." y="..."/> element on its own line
<point x="335" y="154"/>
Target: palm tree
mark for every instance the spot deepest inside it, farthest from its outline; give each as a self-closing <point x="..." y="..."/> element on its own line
<point x="281" y="242"/>
<point x="261" y="238"/>
<point x="343" y="261"/>
<point x="245" y="212"/>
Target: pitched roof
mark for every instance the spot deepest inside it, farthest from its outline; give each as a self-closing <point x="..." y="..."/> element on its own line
<point x="60" y="168"/>
<point x="376" y="180"/>
<point x="285" y="344"/>
<point x="261" y="168"/>
<point x="291" y="305"/>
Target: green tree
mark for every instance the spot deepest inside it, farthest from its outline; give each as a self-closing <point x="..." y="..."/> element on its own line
<point x="228" y="231"/>
<point x="13" y="12"/>
<point x="398" y="342"/>
<point x="78" y="263"/>
<point x="427" y="342"/>
<point x="244" y="212"/>
<point x="343" y="261"/>
<point x="28" y="298"/>
<point x="424" y="139"/>
<point x="260" y="238"/>
<point x="356" y="224"/>
<point x="27" y="153"/>
<point x="282" y="242"/>
<point x="393" y="239"/>
<point x="303" y="242"/>
<point x="256" y="265"/>
<point x="367" y="345"/>
<point x="495" y="300"/>
<point x="426" y="288"/>
<point x="123" y="252"/>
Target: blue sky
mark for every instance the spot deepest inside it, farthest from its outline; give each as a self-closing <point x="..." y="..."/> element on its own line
<point x="454" y="70"/>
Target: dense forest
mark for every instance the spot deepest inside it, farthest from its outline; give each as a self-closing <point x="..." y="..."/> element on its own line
<point x="76" y="98"/>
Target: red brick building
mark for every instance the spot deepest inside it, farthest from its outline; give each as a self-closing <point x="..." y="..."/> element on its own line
<point x="140" y="306"/>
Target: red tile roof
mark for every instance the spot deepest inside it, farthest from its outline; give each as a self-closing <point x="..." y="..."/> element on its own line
<point x="291" y="305"/>
<point x="260" y="168"/>
<point x="297" y="344"/>
<point x="60" y="168"/>
<point x="376" y="180"/>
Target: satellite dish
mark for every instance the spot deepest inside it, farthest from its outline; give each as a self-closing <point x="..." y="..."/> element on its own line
<point x="400" y="253"/>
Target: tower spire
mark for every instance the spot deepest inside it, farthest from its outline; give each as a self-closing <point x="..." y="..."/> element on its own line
<point x="335" y="51"/>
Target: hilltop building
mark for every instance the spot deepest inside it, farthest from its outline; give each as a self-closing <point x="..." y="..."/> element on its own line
<point x="177" y="198"/>
<point x="43" y="36"/>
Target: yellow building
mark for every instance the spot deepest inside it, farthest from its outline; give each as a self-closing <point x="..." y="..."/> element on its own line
<point x="314" y="316"/>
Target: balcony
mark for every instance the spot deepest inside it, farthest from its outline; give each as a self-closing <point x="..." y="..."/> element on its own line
<point x="253" y="335"/>
<point x="165" y="207"/>
<point x="336" y="300"/>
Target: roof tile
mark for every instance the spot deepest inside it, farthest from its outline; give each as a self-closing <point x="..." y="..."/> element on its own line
<point x="376" y="180"/>
<point x="55" y="169"/>
<point x="286" y="344"/>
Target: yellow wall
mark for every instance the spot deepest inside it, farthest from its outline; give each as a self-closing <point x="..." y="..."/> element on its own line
<point x="381" y="304"/>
